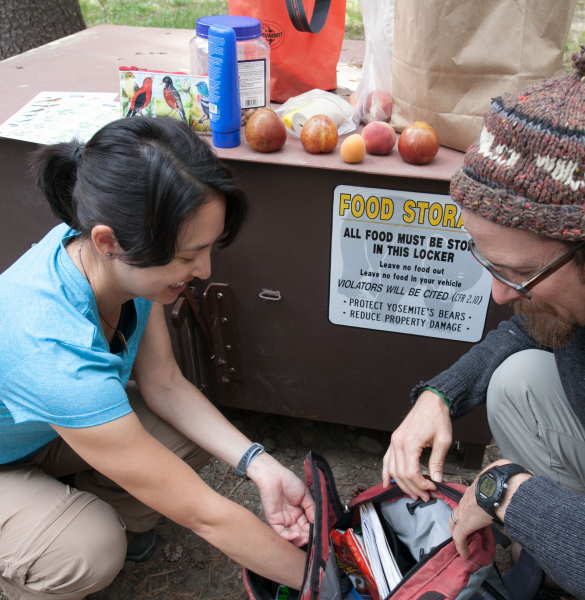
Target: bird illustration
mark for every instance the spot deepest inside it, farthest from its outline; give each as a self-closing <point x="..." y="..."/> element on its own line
<point x="186" y="86"/>
<point x="130" y="86"/>
<point x="203" y="100"/>
<point x="173" y="98"/>
<point x="141" y="98"/>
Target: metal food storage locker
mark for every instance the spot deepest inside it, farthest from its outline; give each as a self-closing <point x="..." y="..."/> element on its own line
<point x="276" y="347"/>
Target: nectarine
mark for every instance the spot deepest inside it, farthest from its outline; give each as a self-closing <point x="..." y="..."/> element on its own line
<point x="418" y="144"/>
<point x="319" y="134"/>
<point x="265" y="132"/>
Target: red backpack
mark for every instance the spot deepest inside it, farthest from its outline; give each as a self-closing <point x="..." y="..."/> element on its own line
<point x="437" y="574"/>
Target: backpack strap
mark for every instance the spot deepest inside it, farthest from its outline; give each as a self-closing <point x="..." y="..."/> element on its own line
<point x="298" y="16"/>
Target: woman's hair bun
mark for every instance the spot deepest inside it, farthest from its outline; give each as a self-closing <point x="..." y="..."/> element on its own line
<point x="54" y="169"/>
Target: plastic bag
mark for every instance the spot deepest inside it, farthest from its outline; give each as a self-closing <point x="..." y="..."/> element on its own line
<point x="372" y="99"/>
<point x="296" y="111"/>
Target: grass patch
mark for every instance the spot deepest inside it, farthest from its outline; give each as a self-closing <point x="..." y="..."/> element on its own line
<point x="576" y="36"/>
<point x="354" y="25"/>
<point x="177" y="14"/>
<point x="182" y="14"/>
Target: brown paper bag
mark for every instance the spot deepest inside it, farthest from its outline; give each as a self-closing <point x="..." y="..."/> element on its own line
<point x="451" y="57"/>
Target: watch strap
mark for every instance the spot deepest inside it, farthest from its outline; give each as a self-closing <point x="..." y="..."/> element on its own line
<point x="513" y="469"/>
<point x="507" y="471"/>
<point x="249" y="455"/>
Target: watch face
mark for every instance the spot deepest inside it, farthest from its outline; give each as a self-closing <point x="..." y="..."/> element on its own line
<point x="487" y="487"/>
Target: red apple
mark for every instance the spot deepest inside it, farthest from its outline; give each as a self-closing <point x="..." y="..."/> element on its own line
<point x="265" y="132"/>
<point x="319" y="134"/>
<point x="379" y="137"/>
<point x="378" y="106"/>
<point x="418" y="144"/>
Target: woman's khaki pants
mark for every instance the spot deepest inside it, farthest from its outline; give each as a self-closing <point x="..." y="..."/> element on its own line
<point x="63" y="542"/>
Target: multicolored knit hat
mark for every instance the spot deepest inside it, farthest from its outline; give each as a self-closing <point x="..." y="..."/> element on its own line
<point x="527" y="168"/>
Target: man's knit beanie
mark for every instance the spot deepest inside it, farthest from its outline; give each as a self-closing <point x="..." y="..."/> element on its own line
<point x="527" y="168"/>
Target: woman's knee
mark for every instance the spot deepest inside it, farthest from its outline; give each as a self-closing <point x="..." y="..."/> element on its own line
<point x="86" y="556"/>
<point x="165" y="433"/>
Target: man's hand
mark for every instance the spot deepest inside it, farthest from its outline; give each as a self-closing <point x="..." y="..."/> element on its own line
<point x="287" y="502"/>
<point x="470" y="517"/>
<point x="427" y="425"/>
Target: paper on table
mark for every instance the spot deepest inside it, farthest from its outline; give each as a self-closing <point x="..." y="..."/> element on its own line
<point x="384" y="567"/>
<point x="52" y="117"/>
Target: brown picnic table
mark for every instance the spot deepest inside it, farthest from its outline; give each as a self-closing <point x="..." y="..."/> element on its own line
<point x="284" y="357"/>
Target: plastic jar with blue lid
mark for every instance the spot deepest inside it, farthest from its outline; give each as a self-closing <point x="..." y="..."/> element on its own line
<point x="253" y="58"/>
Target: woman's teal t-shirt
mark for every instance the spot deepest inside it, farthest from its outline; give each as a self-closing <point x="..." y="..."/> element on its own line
<point x="55" y="363"/>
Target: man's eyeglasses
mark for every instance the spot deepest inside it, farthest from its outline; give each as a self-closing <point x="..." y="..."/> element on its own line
<point x="523" y="288"/>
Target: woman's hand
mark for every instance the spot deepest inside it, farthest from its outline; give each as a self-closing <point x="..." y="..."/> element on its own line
<point x="287" y="502"/>
<point x="427" y="425"/>
<point x="126" y="453"/>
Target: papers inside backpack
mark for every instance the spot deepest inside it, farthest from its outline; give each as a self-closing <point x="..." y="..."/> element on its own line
<point x="384" y="568"/>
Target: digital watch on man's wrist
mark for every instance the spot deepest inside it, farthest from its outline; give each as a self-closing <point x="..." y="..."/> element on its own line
<point x="492" y="486"/>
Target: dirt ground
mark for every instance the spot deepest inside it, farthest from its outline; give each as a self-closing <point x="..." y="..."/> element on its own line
<point x="186" y="567"/>
<point x="200" y="572"/>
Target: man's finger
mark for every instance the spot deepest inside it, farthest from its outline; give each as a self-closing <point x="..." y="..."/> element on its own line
<point x="385" y="468"/>
<point x="460" y="539"/>
<point x="400" y="474"/>
<point x="421" y="485"/>
<point x="437" y="459"/>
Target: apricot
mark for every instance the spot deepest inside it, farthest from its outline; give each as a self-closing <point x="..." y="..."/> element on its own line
<point x="353" y="148"/>
<point x="379" y="137"/>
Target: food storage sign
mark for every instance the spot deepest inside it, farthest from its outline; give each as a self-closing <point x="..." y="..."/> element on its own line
<point x="400" y="262"/>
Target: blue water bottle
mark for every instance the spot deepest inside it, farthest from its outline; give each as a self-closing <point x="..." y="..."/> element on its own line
<point x="225" y="112"/>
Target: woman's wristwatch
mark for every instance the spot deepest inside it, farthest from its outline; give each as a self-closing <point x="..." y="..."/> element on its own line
<point x="249" y="455"/>
<point x="492" y="486"/>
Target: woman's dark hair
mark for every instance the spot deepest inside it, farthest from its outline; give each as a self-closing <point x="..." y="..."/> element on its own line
<point x="142" y="177"/>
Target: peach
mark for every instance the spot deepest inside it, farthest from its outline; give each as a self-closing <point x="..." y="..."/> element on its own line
<point x="319" y="134"/>
<point x="418" y="144"/>
<point x="379" y="137"/>
<point x="353" y="148"/>
<point x="379" y="106"/>
<point x="265" y="132"/>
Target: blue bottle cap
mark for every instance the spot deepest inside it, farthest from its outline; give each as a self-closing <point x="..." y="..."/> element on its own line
<point x="225" y="140"/>
<point x="246" y="28"/>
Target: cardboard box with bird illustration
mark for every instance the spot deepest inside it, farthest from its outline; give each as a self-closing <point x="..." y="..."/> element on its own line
<point x="159" y="94"/>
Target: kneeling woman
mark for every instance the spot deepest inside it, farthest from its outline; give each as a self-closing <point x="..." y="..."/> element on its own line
<point x="143" y="202"/>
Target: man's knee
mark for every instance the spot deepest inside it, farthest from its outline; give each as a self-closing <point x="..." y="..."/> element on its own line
<point x="85" y="557"/>
<point x="513" y="378"/>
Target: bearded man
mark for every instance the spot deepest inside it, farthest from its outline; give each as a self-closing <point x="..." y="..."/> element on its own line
<point x="522" y="191"/>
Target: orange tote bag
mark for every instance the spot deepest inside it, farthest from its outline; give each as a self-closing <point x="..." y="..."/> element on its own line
<point x="305" y="42"/>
